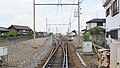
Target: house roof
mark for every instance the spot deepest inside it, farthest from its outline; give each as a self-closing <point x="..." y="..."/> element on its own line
<point x="18" y="27"/>
<point x="3" y="29"/>
<point x="97" y="20"/>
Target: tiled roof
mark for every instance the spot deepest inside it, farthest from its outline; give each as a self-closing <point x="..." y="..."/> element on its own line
<point x="20" y="27"/>
<point x="97" y="20"/>
<point x="3" y="29"/>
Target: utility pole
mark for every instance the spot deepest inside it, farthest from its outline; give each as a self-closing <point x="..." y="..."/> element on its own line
<point x="34" y="19"/>
<point x="70" y="24"/>
<point x="78" y="22"/>
<point x="46" y="24"/>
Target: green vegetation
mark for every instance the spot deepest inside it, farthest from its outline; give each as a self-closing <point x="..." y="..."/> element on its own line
<point x="10" y="34"/>
<point x="91" y="33"/>
<point x="96" y="31"/>
<point x="94" y="45"/>
<point x="86" y="36"/>
<point x="29" y="34"/>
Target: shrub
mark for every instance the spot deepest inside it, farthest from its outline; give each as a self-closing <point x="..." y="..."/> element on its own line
<point x="86" y="36"/>
<point x="10" y="34"/>
<point x="96" y="31"/>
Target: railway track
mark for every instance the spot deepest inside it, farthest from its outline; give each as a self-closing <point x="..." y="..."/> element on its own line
<point x="58" y="58"/>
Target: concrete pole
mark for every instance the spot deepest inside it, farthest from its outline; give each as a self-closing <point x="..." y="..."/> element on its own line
<point x="34" y="19"/>
<point x="46" y="24"/>
<point x="70" y="24"/>
<point x="78" y="23"/>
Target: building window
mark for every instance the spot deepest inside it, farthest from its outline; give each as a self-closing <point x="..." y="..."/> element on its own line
<point x="99" y="24"/>
<point x="107" y="12"/>
<point x="115" y="7"/>
<point x="114" y="34"/>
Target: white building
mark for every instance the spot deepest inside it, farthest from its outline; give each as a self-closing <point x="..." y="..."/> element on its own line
<point x="112" y="18"/>
<point x="96" y="22"/>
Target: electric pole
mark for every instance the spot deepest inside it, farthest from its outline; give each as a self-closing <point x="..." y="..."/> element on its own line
<point x="78" y="22"/>
<point x="34" y="19"/>
<point x="70" y="24"/>
<point x="46" y="24"/>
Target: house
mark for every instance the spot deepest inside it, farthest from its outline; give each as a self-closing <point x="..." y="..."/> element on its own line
<point x="96" y="22"/>
<point x="112" y="18"/>
<point x="22" y="29"/>
<point x="3" y="29"/>
<point x="41" y="34"/>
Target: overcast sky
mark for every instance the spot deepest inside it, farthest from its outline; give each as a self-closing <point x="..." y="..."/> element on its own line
<point x="19" y="12"/>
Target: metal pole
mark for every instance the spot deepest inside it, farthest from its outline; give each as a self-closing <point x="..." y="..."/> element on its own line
<point x="78" y="22"/>
<point x="34" y="19"/>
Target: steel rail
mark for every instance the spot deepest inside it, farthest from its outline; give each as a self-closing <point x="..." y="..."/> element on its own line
<point x="66" y="57"/>
<point x="65" y="54"/>
<point x="65" y="61"/>
<point x="50" y="56"/>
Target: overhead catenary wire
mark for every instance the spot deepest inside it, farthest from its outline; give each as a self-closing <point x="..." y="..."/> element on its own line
<point x="72" y="15"/>
<point x="73" y="19"/>
<point x="62" y="12"/>
<point x="72" y="8"/>
<point x="57" y="10"/>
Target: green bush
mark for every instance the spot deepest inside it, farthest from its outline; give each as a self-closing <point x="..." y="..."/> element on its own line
<point x="10" y="34"/>
<point x="29" y="34"/>
<point x="86" y="37"/>
<point x="96" y="31"/>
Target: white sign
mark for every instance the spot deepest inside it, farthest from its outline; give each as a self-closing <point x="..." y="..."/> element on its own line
<point x="3" y="51"/>
<point x="87" y="46"/>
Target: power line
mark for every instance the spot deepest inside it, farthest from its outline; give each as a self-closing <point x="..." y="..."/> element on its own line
<point x="62" y="12"/>
<point x="72" y="7"/>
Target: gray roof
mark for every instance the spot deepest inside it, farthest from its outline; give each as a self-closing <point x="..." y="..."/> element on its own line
<point x="97" y="20"/>
<point x="18" y="27"/>
<point x="3" y="29"/>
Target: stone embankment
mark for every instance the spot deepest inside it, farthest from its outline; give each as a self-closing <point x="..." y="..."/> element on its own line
<point x="27" y="54"/>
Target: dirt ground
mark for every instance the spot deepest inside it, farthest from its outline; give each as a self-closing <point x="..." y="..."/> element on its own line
<point x="90" y="60"/>
<point x="74" y="61"/>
